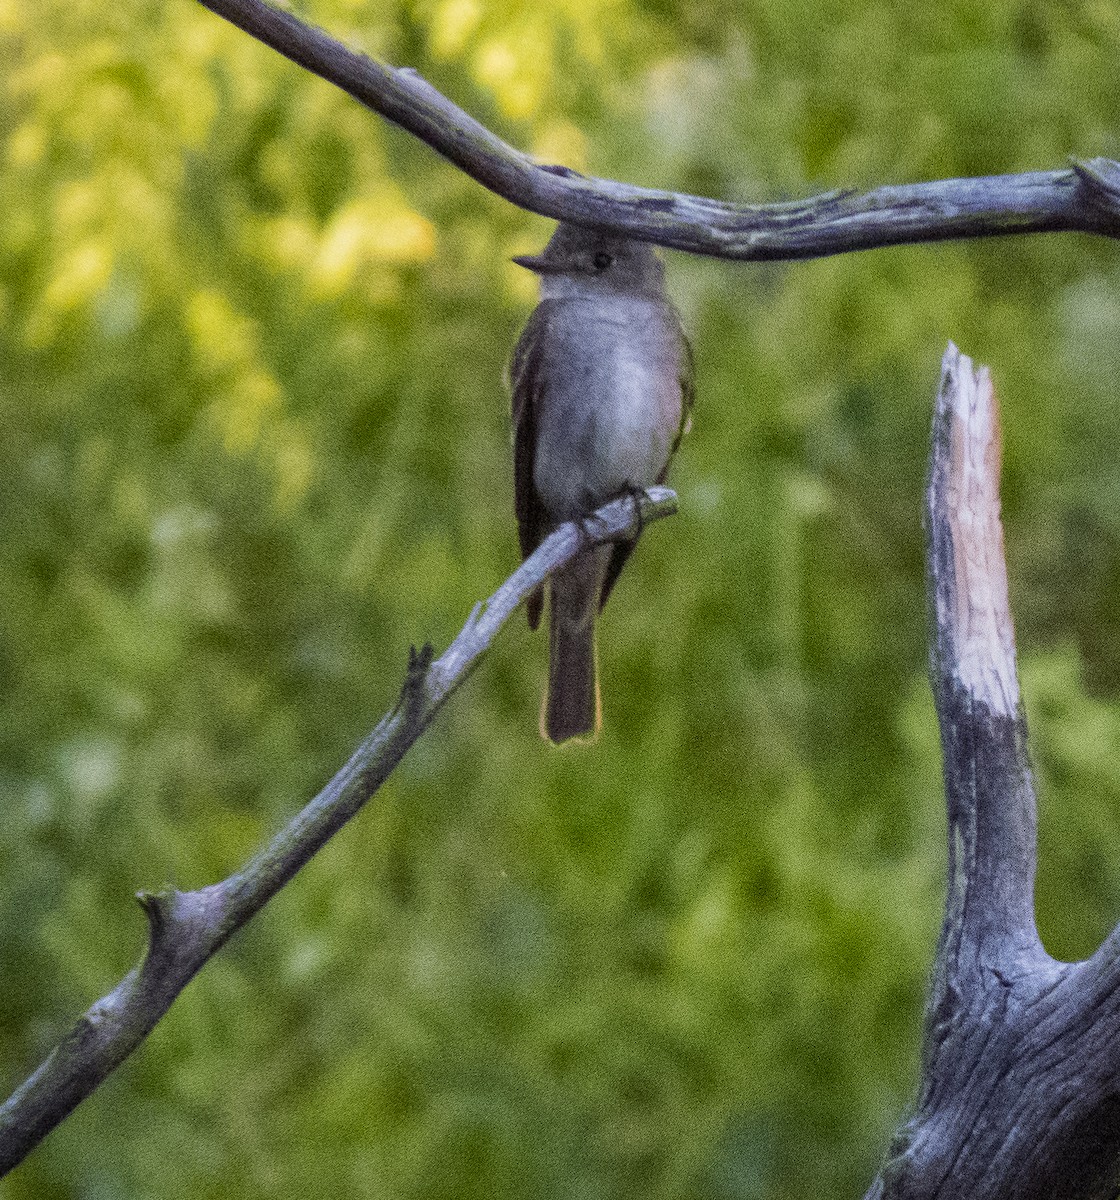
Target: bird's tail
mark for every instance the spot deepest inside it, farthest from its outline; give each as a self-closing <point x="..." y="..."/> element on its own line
<point x="571" y="706"/>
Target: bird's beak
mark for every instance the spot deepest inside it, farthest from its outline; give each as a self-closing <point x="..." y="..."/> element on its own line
<point x="537" y="263"/>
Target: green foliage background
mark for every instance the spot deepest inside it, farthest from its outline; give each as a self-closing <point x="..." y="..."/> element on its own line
<point x="255" y="444"/>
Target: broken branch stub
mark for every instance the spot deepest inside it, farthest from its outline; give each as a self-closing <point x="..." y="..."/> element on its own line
<point x="1018" y="1097"/>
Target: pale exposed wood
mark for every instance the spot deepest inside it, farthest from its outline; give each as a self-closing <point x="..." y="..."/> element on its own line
<point x="984" y="641"/>
<point x="1018" y="1098"/>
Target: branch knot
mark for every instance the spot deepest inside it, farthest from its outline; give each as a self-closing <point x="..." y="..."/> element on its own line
<point x="1099" y="186"/>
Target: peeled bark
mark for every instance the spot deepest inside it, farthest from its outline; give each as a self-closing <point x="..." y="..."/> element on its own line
<point x="1018" y="1097"/>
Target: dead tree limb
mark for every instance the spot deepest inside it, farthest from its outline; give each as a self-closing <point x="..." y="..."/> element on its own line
<point x="1084" y="197"/>
<point x="186" y="928"/>
<point x="1019" y="1095"/>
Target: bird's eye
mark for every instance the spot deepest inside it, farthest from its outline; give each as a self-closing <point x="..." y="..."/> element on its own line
<point x="602" y="260"/>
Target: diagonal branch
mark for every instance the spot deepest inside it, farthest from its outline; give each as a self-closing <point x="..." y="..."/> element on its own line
<point x="186" y="928"/>
<point x="1084" y="197"/>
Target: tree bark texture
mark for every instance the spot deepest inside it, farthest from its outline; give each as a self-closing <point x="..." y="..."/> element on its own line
<point x="1019" y="1096"/>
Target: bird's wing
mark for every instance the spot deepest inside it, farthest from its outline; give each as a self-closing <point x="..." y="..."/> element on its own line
<point x="685" y="375"/>
<point x="526" y="390"/>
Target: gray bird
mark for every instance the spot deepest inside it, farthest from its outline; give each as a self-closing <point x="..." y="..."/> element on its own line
<point x="601" y="384"/>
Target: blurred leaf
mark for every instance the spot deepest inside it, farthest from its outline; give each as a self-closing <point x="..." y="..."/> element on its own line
<point x="256" y="445"/>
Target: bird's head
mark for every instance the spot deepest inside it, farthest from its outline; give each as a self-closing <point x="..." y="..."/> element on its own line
<point x="578" y="260"/>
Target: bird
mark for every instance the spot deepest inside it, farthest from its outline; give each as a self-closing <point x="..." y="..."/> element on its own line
<point x="601" y="384"/>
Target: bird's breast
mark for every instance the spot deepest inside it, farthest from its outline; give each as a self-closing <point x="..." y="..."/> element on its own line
<point x="609" y="402"/>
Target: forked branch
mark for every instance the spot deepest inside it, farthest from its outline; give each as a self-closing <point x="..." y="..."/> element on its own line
<point x="186" y="928"/>
<point x="1020" y="1092"/>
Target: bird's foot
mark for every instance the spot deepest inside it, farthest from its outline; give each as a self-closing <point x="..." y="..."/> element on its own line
<point x="590" y="527"/>
<point x="636" y="493"/>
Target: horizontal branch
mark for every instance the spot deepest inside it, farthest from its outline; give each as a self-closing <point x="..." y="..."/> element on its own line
<point x="1085" y="197"/>
<point x="186" y="928"/>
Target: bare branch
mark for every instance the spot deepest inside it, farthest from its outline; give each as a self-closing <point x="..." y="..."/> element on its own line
<point x="1018" y="1097"/>
<point x="992" y="826"/>
<point x="1085" y="197"/>
<point x="186" y="928"/>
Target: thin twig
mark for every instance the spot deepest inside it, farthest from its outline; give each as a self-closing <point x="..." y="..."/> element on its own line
<point x="186" y="928"/>
<point x="1084" y="197"/>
